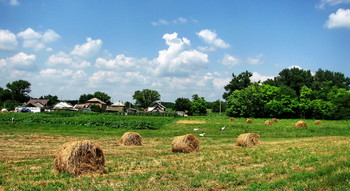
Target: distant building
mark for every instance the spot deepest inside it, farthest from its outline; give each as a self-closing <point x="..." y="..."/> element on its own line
<point x="117" y="107"/>
<point x="89" y="103"/>
<point x="158" y="107"/>
<point x="63" y="106"/>
<point x="41" y="103"/>
<point x="34" y="105"/>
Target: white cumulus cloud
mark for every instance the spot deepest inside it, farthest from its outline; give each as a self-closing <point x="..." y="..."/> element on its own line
<point x="212" y="39"/>
<point x="121" y="62"/>
<point x="178" y="59"/>
<point x="88" y="49"/>
<point x="8" y="40"/>
<point x="61" y="58"/>
<point x="22" y="61"/>
<point x="256" y="77"/>
<point x="56" y="73"/>
<point x="340" y="19"/>
<point x="230" y="60"/>
<point x="36" y="40"/>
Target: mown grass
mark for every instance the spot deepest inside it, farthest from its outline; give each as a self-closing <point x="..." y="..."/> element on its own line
<point x="316" y="158"/>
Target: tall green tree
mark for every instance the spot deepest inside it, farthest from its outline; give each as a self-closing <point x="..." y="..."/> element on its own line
<point x="237" y="83"/>
<point x="84" y="97"/>
<point x="146" y="98"/>
<point x="182" y="104"/>
<point x="327" y="79"/>
<point x="103" y="97"/>
<point x="294" y="78"/>
<point x="198" y="105"/>
<point x="4" y="95"/>
<point x="19" y="90"/>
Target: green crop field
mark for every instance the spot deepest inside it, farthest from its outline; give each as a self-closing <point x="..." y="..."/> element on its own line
<point x="287" y="158"/>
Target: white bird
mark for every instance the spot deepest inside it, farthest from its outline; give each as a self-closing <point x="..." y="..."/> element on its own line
<point x="223" y="128"/>
<point x="195" y="129"/>
<point x="13" y="119"/>
<point x="202" y="134"/>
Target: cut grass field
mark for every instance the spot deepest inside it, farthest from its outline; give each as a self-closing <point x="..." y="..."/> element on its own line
<point x="315" y="158"/>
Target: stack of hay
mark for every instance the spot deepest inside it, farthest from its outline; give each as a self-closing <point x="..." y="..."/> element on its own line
<point x="247" y="139"/>
<point x="274" y="120"/>
<point x="318" y="122"/>
<point x="249" y="121"/>
<point x="80" y="157"/>
<point x="300" y="124"/>
<point x="185" y="144"/>
<point x="131" y="139"/>
<point x="268" y="123"/>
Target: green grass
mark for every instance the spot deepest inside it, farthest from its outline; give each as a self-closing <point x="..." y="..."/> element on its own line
<point x="315" y="158"/>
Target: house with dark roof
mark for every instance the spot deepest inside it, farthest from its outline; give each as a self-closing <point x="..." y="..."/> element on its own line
<point x="157" y="107"/>
<point x="40" y="103"/>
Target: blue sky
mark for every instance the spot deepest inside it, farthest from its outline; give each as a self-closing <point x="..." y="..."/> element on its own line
<point x="179" y="48"/>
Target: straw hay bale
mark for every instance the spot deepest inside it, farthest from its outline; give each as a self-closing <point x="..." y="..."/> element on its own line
<point x="131" y="139"/>
<point x="268" y="123"/>
<point x="232" y="119"/>
<point x="249" y="121"/>
<point x="185" y="144"/>
<point x="300" y="124"/>
<point x="274" y="120"/>
<point x="318" y="122"/>
<point x="247" y="139"/>
<point x="80" y="157"/>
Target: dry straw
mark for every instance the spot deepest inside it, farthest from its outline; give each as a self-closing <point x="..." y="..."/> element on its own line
<point x="185" y="144"/>
<point x="274" y="120"/>
<point x="247" y="139"/>
<point x="80" y="157"/>
<point x="300" y="124"/>
<point x="268" y="123"/>
<point x="249" y="121"/>
<point x="131" y="139"/>
<point x="318" y="122"/>
<point x="232" y="119"/>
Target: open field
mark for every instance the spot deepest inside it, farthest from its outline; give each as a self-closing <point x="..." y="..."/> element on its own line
<point x="316" y="158"/>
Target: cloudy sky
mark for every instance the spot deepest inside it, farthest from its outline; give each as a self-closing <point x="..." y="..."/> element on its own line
<point x="179" y="48"/>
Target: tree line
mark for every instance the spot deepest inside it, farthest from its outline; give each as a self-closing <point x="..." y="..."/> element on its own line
<point x="294" y="93"/>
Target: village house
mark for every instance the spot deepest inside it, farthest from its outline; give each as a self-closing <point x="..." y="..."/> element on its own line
<point x="116" y="107"/>
<point x="89" y="103"/>
<point x="157" y="107"/>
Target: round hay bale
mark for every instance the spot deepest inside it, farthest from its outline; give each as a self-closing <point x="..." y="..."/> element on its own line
<point x="318" y="122"/>
<point x="80" y="157"/>
<point x="300" y="124"/>
<point x="185" y="144"/>
<point x="268" y="123"/>
<point x="250" y="121"/>
<point x="247" y="139"/>
<point x="131" y="139"/>
<point x="232" y="119"/>
<point x="274" y="120"/>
